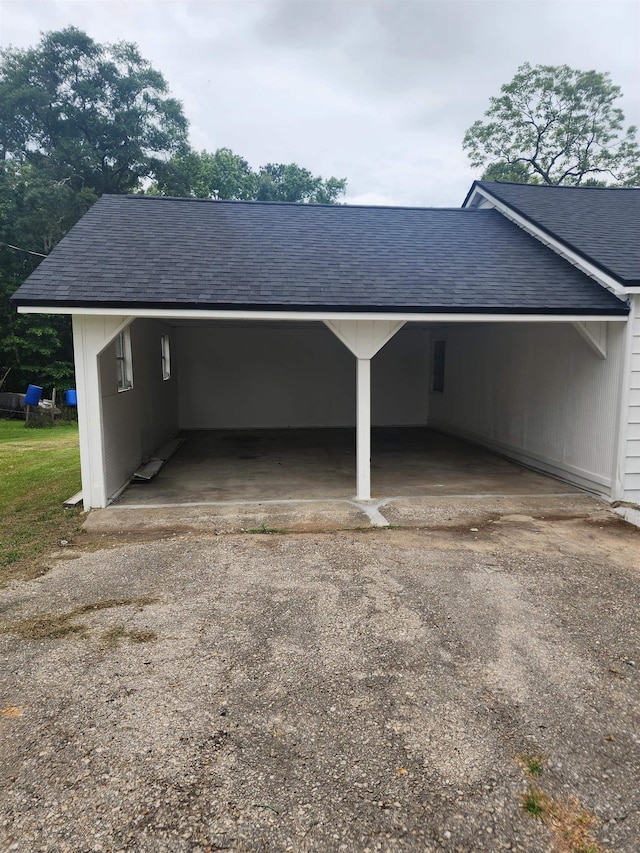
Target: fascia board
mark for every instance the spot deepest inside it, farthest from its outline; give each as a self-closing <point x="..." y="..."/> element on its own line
<point x="321" y="316"/>
<point x="471" y="195"/>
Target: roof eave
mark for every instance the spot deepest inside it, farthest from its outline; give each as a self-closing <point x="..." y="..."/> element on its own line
<point x="602" y="275"/>
<point x="320" y="313"/>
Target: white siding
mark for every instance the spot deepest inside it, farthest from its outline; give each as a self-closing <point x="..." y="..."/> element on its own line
<point x="137" y="421"/>
<point x="536" y="392"/>
<point x="631" y="455"/>
<point x="235" y="375"/>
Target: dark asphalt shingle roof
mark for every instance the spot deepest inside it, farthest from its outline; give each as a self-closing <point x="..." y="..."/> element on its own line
<point x="601" y="224"/>
<point x="177" y="253"/>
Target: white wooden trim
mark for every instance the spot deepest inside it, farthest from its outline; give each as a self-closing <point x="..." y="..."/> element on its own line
<point x="320" y="316"/>
<point x="577" y="260"/>
<point x="595" y="334"/>
<point x="364" y="338"/>
<point x="363" y="429"/>
<point x="111" y="334"/>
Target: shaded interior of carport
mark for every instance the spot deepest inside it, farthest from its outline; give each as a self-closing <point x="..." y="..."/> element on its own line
<point x="268" y="410"/>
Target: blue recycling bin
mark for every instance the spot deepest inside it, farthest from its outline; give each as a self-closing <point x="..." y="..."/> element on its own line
<point x="33" y="395"/>
<point x="71" y="397"/>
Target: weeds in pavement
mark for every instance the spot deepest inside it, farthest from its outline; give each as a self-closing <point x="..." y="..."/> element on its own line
<point x="264" y="529"/>
<point x="570" y="825"/>
<point x="536" y="802"/>
<point x="533" y="764"/>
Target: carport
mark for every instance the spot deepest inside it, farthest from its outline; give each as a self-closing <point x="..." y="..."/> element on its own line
<point x="272" y="409"/>
<point x="331" y="326"/>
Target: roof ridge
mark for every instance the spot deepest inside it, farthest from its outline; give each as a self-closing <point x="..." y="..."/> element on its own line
<point x="295" y="204"/>
<point x="551" y="186"/>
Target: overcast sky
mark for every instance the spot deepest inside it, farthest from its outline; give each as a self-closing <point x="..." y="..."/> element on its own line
<point x="380" y="93"/>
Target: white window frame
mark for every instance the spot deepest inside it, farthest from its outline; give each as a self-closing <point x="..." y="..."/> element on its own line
<point x="124" y="362"/>
<point x="165" y="349"/>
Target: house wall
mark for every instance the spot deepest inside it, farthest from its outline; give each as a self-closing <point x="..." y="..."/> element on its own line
<point x="235" y="375"/>
<point x="536" y="392"/>
<point x="630" y="474"/>
<point x="139" y="420"/>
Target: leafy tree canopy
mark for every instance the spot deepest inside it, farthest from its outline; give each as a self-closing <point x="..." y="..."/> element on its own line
<point x="225" y="175"/>
<point x="290" y="182"/>
<point x="35" y="212"/>
<point x="555" y="125"/>
<point x="99" y="115"/>
<point x="77" y="119"/>
<point x="221" y="175"/>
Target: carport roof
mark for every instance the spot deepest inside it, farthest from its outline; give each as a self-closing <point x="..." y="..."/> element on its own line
<point x="169" y="253"/>
<point x="601" y="224"/>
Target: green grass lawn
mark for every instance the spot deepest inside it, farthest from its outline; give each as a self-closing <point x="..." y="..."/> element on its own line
<point x="39" y="469"/>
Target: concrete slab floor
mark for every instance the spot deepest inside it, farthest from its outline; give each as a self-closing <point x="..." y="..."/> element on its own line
<point x="319" y="464"/>
<point x="303" y="480"/>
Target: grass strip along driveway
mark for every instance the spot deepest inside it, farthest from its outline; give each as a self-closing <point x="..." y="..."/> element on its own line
<point x="39" y="469"/>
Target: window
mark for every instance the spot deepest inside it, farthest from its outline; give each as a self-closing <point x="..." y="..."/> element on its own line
<point x="166" y="356"/>
<point x="123" y="361"/>
<point x="438" y="366"/>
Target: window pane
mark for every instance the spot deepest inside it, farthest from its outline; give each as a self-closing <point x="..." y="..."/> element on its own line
<point x="166" y="356"/>
<point x="124" y="370"/>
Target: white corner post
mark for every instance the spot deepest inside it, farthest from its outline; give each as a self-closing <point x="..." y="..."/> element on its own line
<point x="626" y="474"/>
<point x="91" y="334"/>
<point x="364" y="338"/>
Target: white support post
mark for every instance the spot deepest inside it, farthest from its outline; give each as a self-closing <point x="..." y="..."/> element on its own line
<point x="363" y="429"/>
<point x="90" y="336"/>
<point x="364" y="338"/>
<point x="94" y="493"/>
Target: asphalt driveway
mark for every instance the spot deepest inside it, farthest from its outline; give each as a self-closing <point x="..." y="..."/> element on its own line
<point x="468" y="688"/>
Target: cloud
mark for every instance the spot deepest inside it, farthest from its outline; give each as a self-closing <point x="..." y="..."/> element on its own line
<point x="378" y="92"/>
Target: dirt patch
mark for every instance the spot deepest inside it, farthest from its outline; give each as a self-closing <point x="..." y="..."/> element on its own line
<point x="52" y="626"/>
<point x="113" y="636"/>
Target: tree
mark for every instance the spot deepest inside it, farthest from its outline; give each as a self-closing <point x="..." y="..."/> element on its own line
<point x="35" y="212"/>
<point x="290" y="182"/>
<point x="555" y="125"/>
<point x="221" y="175"/>
<point x="99" y="115"/>
<point x="76" y="119"/>
<point x="225" y="175"/>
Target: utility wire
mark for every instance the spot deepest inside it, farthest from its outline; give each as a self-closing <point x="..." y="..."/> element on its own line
<point x="18" y="249"/>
